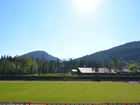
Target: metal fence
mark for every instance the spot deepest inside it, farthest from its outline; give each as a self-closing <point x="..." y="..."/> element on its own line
<point x="30" y="103"/>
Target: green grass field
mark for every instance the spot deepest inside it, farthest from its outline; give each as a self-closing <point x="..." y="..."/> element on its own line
<point x="24" y="91"/>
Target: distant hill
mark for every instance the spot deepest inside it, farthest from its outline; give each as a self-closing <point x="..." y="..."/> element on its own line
<point x="40" y="54"/>
<point x="67" y="59"/>
<point x="126" y="52"/>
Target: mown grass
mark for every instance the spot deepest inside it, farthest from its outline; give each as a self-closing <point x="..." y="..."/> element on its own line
<point x="25" y="91"/>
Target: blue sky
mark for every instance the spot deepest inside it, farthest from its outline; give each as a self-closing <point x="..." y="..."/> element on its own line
<point x="67" y="28"/>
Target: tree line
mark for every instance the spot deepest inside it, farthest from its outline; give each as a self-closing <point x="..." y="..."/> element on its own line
<point x="28" y="66"/>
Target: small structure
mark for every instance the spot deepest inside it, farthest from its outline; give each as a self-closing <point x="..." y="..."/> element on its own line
<point x="138" y="71"/>
<point x="74" y="71"/>
<point x="90" y="71"/>
<point x="86" y="70"/>
<point x="126" y="70"/>
<point x="103" y="70"/>
<point x="93" y="70"/>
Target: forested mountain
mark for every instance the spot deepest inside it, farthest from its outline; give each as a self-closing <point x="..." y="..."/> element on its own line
<point x="39" y="55"/>
<point x="126" y="52"/>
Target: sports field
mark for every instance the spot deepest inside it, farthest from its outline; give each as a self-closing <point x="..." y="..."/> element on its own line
<point x="24" y="91"/>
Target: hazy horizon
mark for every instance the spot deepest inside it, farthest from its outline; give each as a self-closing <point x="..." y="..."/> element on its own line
<point x="67" y="29"/>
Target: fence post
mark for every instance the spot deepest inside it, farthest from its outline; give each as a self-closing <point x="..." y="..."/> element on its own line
<point x="24" y="103"/>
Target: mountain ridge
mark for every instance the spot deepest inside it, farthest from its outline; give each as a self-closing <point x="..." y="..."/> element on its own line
<point x="127" y="51"/>
<point x="39" y="54"/>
